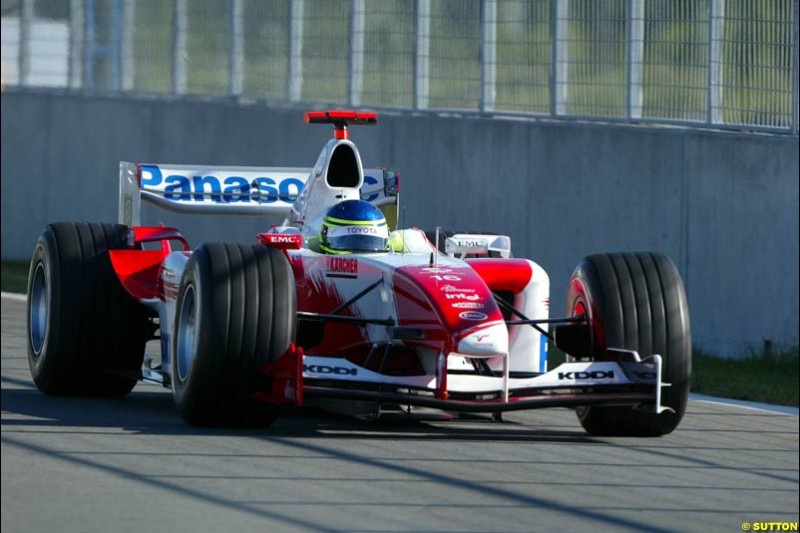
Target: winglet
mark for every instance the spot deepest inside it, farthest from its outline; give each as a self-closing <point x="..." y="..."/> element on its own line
<point x="340" y="120"/>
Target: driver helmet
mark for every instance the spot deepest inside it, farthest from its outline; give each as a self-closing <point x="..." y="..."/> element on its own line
<point x="354" y="226"/>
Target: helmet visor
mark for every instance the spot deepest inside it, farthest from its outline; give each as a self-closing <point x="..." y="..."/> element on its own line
<point x="358" y="238"/>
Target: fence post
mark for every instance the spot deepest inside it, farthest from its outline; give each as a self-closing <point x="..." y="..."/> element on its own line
<point x="76" y="29"/>
<point x="635" y="57"/>
<point x="236" y="48"/>
<point x="24" y="49"/>
<point x="127" y="58"/>
<point x="716" y="24"/>
<point x="111" y="50"/>
<point x="295" y="75"/>
<point x="422" y="59"/>
<point x="559" y="66"/>
<point x="357" y="27"/>
<point x="795" y="69"/>
<point x="179" y="25"/>
<point x="89" y="44"/>
<point x="488" y="55"/>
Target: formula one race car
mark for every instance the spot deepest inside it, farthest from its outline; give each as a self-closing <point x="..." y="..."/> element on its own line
<point x="339" y="308"/>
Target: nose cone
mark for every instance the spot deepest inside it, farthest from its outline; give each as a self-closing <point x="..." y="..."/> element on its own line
<point x="491" y="340"/>
<point x="454" y="300"/>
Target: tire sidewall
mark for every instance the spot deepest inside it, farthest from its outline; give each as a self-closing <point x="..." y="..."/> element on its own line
<point x="182" y="389"/>
<point x="579" y="292"/>
<point x="44" y="254"/>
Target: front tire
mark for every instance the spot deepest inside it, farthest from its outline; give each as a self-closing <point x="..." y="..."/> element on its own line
<point x="86" y="335"/>
<point x="236" y="312"/>
<point x="635" y="301"/>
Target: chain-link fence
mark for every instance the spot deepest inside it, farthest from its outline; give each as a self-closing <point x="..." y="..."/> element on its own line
<point x="720" y="63"/>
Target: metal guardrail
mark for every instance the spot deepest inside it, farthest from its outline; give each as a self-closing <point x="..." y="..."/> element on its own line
<point x="710" y="63"/>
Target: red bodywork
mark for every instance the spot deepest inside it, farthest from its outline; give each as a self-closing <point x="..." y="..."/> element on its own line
<point x="139" y="270"/>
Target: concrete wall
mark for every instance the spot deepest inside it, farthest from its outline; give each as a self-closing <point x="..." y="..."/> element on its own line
<point x="724" y="206"/>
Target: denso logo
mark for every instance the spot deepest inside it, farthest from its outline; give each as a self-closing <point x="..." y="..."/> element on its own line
<point x="595" y="374"/>
<point x="463" y="296"/>
<point x="333" y="370"/>
<point x="229" y="190"/>
<point x="472" y="315"/>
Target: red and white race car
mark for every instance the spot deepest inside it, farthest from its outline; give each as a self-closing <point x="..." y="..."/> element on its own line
<point x="443" y="320"/>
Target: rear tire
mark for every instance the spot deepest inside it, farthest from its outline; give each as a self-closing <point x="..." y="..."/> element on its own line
<point x="635" y="301"/>
<point x="86" y="335"/>
<point x="236" y="312"/>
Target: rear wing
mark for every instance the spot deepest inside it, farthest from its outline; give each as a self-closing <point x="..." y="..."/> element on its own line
<point x="260" y="191"/>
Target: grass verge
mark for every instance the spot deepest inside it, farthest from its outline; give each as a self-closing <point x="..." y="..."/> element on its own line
<point x="770" y="378"/>
<point x="14" y="276"/>
<point x="759" y="377"/>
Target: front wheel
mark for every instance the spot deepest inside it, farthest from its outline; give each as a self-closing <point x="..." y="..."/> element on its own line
<point x="236" y="312"/>
<point x="635" y="301"/>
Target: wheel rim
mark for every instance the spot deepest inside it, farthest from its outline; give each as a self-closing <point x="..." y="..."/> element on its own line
<point x="39" y="309"/>
<point x="187" y="333"/>
<point x="580" y="309"/>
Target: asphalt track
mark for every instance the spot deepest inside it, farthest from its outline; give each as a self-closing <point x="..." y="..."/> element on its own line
<point x="79" y="464"/>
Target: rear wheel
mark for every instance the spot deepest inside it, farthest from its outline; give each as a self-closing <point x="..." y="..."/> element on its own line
<point x="236" y="312"/>
<point x="635" y="301"/>
<point x="86" y="335"/>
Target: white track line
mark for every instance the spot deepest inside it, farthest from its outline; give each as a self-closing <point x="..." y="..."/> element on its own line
<point x="754" y="406"/>
<point x="780" y="409"/>
<point x="14" y="296"/>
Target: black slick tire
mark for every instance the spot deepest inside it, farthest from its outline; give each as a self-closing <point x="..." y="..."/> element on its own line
<point x="635" y="301"/>
<point x="236" y="312"/>
<point x="86" y="335"/>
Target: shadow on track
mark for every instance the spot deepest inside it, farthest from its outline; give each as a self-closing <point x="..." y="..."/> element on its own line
<point x="151" y="412"/>
<point x="303" y="434"/>
<point x="309" y="434"/>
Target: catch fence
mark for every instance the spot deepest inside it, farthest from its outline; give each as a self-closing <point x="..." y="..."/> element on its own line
<point x="729" y="64"/>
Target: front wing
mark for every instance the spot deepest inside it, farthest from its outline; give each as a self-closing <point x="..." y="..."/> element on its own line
<point x="629" y="381"/>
